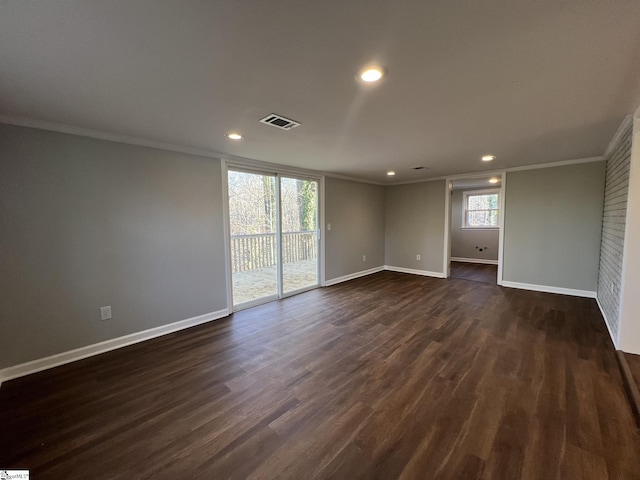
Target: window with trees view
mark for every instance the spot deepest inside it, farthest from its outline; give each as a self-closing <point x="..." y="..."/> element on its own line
<point x="481" y="209"/>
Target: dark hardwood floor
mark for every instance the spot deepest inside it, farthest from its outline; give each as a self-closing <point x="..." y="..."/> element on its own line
<point x="477" y="272"/>
<point x="630" y="366"/>
<point x="388" y="376"/>
<point x="634" y="365"/>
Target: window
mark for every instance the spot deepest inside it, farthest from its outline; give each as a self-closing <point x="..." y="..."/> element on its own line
<point x="481" y="209"/>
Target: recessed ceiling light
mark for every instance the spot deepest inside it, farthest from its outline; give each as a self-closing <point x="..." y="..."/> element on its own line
<point x="372" y="73"/>
<point x="488" y="158"/>
<point x="234" y="136"/>
<point x="391" y="173"/>
<point x="494" y="180"/>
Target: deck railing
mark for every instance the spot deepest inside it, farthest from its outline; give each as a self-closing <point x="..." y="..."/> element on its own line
<point x="249" y="252"/>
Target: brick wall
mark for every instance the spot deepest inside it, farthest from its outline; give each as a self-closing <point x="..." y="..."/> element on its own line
<point x="613" y="228"/>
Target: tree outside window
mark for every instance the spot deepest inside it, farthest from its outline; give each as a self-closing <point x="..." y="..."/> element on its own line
<point x="481" y="209"/>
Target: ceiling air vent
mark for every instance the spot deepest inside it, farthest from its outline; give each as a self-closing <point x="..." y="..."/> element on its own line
<point x="279" y="122"/>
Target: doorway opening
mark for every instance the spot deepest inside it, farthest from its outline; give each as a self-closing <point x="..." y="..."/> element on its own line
<point x="476" y="208"/>
<point x="274" y="236"/>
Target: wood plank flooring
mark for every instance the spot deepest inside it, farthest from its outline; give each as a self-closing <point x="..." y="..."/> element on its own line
<point x="634" y="365"/>
<point x="478" y="272"/>
<point x="384" y="377"/>
<point x="630" y="366"/>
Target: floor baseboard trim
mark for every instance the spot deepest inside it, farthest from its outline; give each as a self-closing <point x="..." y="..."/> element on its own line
<point x="630" y="386"/>
<point x="606" y="322"/>
<point x="45" y="363"/>
<point x="474" y="260"/>
<point x="549" y="289"/>
<point x="424" y="273"/>
<point x="352" y="276"/>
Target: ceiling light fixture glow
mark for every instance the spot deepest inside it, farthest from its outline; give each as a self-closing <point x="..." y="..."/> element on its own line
<point x="391" y="173"/>
<point x="494" y="180"/>
<point x="488" y="158"/>
<point x="234" y="136"/>
<point x="372" y="73"/>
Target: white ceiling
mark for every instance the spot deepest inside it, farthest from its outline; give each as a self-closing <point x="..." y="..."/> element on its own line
<point x="530" y="82"/>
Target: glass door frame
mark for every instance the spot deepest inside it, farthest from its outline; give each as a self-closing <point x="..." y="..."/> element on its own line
<point x="280" y="237"/>
<point x="277" y="172"/>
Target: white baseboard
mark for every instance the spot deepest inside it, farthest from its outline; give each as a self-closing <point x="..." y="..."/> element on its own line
<point x="352" y="276"/>
<point x="549" y="289"/>
<point x="40" y="364"/>
<point x="606" y="322"/>
<point x="390" y="268"/>
<point x="412" y="271"/>
<point x="474" y="260"/>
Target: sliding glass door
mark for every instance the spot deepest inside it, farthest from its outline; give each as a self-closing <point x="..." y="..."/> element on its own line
<point x="299" y="224"/>
<point x="253" y="225"/>
<point x="274" y="236"/>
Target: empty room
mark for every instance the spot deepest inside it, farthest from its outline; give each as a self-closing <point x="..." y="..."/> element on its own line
<point x="319" y="239"/>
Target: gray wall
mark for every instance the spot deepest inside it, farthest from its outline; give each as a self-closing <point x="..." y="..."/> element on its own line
<point x="86" y="223"/>
<point x="613" y="228"/>
<point x="553" y="220"/>
<point x="356" y="214"/>
<point x="414" y="224"/>
<point x="465" y="240"/>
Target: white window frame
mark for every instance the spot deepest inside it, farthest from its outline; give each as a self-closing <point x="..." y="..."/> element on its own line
<point x="465" y="204"/>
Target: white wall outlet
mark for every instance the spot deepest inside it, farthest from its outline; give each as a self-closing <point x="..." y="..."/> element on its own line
<point x="328" y="226"/>
<point x="364" y="258"/>
<point x="105" y="313"/>
<point x="418" y="257"/>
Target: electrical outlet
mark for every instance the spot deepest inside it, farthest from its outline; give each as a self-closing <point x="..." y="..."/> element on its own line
<point x="105" y="313"/>
<point x="418" y="257"/>
<point x="364" y="258"/>
<point x="328" y="226"/>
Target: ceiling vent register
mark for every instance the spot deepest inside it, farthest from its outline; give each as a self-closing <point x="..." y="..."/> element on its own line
<point x="280" y="122"/>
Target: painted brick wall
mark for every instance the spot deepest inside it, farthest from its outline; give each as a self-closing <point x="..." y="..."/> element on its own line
<point x="613" y="227"/>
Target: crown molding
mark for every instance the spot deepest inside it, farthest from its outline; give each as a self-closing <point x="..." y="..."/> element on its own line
<point x="562" y="163"/>
<point x="109" y="136"/>
<point x="144" y="142"/>
<point x="626" y="123"/>
<point x="242" y="161"/>
<point x="536" y="166"/>
<point x="353" y="179"/>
